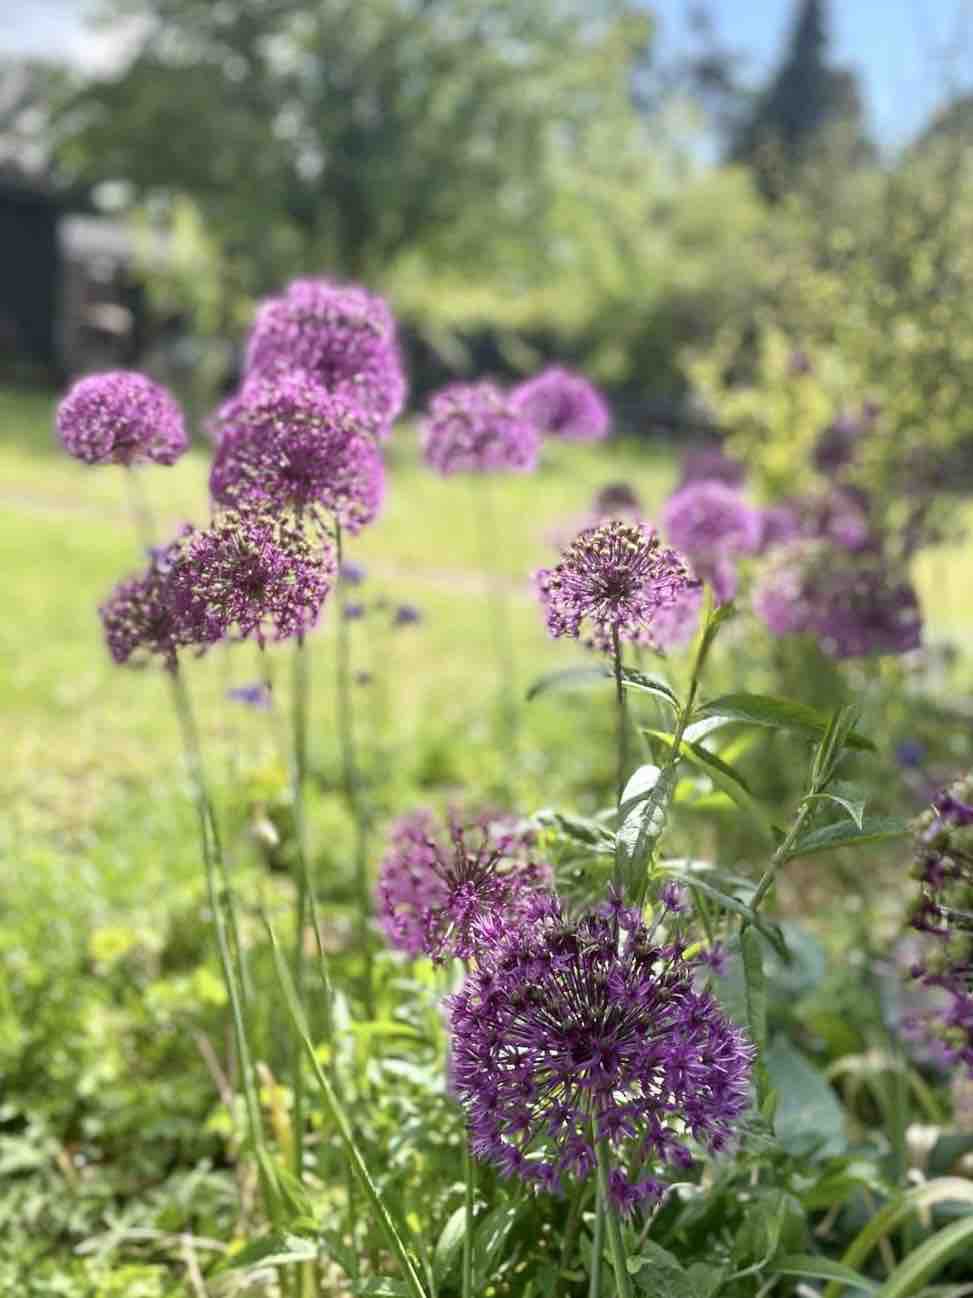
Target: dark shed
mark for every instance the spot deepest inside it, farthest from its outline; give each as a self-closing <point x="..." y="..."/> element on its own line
<point x="30" y="272"/>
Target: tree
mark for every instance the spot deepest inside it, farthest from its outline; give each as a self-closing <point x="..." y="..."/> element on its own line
<point x="804" y="99"/>
<point x="349" y="132"/>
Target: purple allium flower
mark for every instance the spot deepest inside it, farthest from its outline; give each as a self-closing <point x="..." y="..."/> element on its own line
<point x="612" y="579"/>
<point x="121" y="417"/>
<point x="560" y="403"/>
<point x="255" y="696"/>
<point x="343" y="337"/>
<point x="799" y="363"/>
<point x="675" y="626"/>
<point x="711" y="464"/>
<point x="854" y="606"/>
<point x="475" y="428"/>
<point x="354" y="612"/>
<point x="251" y="575"/>
<point x="568" y="1025"/>
<point x="943" y="863"/>
<point x="351" y="573"/>
<point x="406" y="615"/>
<point x="709" y="520"/>
<point x="288" y="443"/>
<point x="436" y="885"/>
<point x="142" y="617"/>
<point x="778" y="525"/>
<point x="840" y="517"/>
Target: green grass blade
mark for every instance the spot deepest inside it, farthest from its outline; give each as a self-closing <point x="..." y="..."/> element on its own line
<point x="928" y="1259"/>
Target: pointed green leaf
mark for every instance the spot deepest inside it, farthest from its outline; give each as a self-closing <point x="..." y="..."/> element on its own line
<point x="810" y="1267"/>
<point x="643" y="683"/>
<point x="449" y="1244"/>
<point x="809" y="1116"/>
<point x="775" y="713"/>
<point x="854" y="806"/>
<point x="874" y="829"/>
<point x="929" y="1259"/>
<point x="722" y="775"/>
<point x="567" y="678"/>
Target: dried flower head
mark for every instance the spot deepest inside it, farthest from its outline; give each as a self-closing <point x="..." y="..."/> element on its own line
<point x="344" y="338"/>
<point x="251" y="575"/>
<point x="142" y="618"/>
<point x="436" y="884"/>
<point x="476" y="428"/>
<point x="287" y="443"/>
<point x="943" y="856"/>
<point x="612" y="579"/>
<point x="567" y="1030"/>
<point x="121" y="417"/>
<point x="560" y="403"/>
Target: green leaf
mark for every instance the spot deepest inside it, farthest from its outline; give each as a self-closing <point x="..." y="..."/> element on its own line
<point x="755" y="986"/>
<point x="490" y="1240"/>
<point x="874" y="829"/>
<point x="648" y="793"/>
<point x="946" y="1189"/>
<point x="834" y="741"/>
<point x="810" y="1267"/>
<point x="449" y="1244"/>
<point x="567" y="678"/>
<point x="948" y="1150"/>
<point x="722" y="775"/>
<point x="580" y="829"/>
<point x="775" y="713"/>
<point x="854" y="807"/>
<point x="639" y="788"/>
<point x="809" y="1116"/>
<point x="929" y="1259"/>
<point x="660" y="1274"/>
<point x="643" y="683"/>
<point x="273" y="1249"/>
<point x="769" y="930"/>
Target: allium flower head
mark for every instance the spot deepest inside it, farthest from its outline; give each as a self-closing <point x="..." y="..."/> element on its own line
<point x="560" y="403"/>
<point x="943" y="842"/>
<point x="436" y="884"/>
<point x="600" y="1022"/>
<point x="778" y="525"/>
<point x="344" y="337"/>
<point x="287" y="443"/>
<point x="251" y="575"/>
<point x="854" y="605"/>
<point x="121" y="417"/>
<point x="616" y="578"/>
<point x="142" y="618"/>
<point x="476" y="428"/>
<point x="708" y="519"/>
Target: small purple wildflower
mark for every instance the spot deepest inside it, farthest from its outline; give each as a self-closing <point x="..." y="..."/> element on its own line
<point x="910" y="754"/>
<point x="353" y="612"/>
<point x="837" y="445"/>
<point x="352" y="573"/>
<point x="121" y="417"/>
<point x="612" y="579"/>
<point x="560" y="403"/>
<point x="943" y="863"/>
<point x="342" y="336"/>
<point x="565" y="1025"/>
<point x="475" y="428"/>
<point x="257" y="696"/>
<point x="800" y="363"/>
<point x="406" y="615"/>
<point x="711" y="464"/>
<point x="289" y="444"/>
<point x="435" y="887"/>
<point x="778" y="525"/>
<point x="250" y="575"/>
<point x="141" y="618"/>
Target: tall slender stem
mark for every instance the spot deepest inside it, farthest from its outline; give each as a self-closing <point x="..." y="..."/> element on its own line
<point x="350" y="778"/>
<point x="300" y="701"/>
<point x="141" y="511"/>
<point x="569" y="1237"/>
<point x="597" y="1246"/>
<point x="223" y="906"/>
<point x="623" y="1281"/>
<point x="469" y="1175"/>
<point x="488" y="539"/>
<point x="622" y="715"/>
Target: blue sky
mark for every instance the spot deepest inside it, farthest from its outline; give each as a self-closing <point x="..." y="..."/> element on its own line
<point x="898" y="46"/>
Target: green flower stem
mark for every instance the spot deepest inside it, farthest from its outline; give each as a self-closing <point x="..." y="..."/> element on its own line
<point x="351" y="780"/>
<point x="488" y="538"/>
<point x="622" y="715"/>
<point x="570" y="1237"/>
<point x="141" y="510"/>
<point x="623" y="1281"/>
<point x="597" y="1246"/>
<point x="300" y="702"/>
<point x="781" y="854"/>
<point x="469" y="1170"/>
<point x="222" y="905"/>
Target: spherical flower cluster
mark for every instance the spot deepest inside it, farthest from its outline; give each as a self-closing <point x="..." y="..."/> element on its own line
<point x="250" y="575"/>
<point x="121" y="417"/>
<point x="437" y="884"/>
<point x="560" y="403"/>
<point x="571" y="1031"/>
<point x="141" y="619"/>
<point x="476" y="428"/>
<point x="287" y="443"/>
<point x="943" y="838"/>
<point x="853" y="606"/>
<point x="613" y="580"/>
<point x="342" y="336"/>
<point x="675" y="626"/>
<point x="712" y="524"/>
